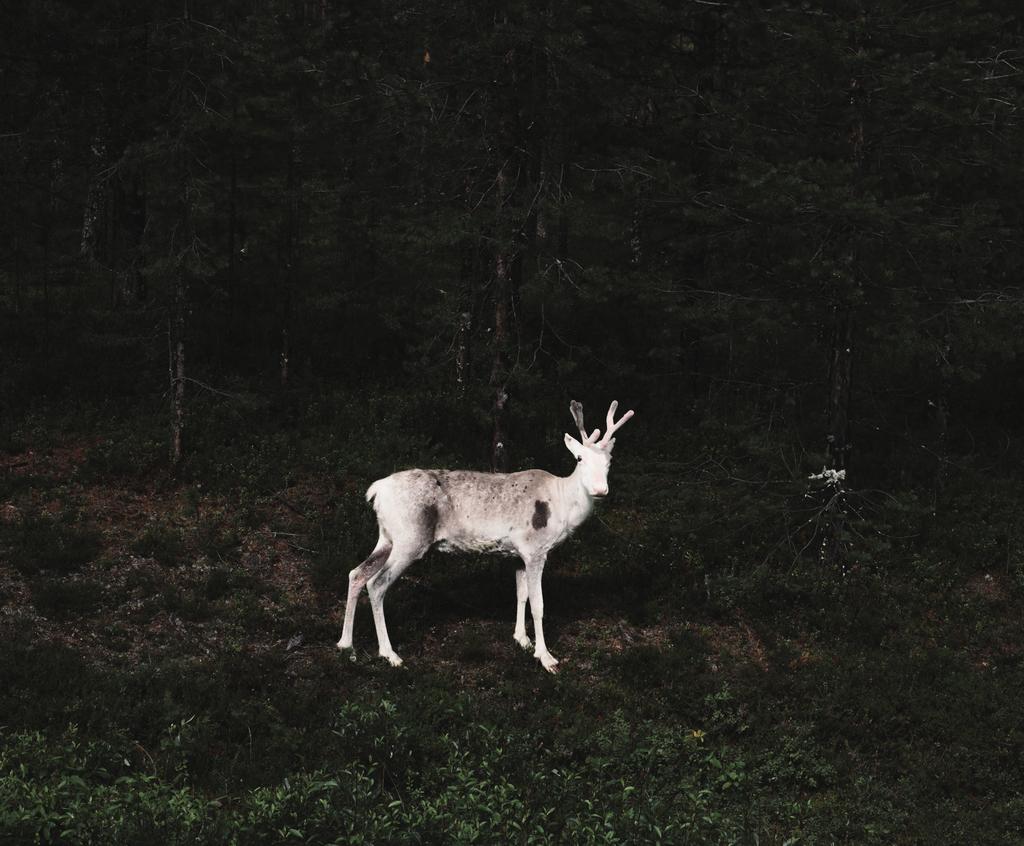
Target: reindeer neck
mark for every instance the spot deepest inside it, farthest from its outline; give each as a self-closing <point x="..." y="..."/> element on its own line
<point x="577" y="502"/>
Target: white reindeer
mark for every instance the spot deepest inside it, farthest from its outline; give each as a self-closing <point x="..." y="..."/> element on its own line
<point x="525" y="514"/>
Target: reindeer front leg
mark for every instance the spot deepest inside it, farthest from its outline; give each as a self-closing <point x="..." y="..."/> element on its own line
<point x="534" y="571"/>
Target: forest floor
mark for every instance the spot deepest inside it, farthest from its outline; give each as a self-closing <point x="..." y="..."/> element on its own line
<point x="192" y="631"/>
<point x="162" y="546"/>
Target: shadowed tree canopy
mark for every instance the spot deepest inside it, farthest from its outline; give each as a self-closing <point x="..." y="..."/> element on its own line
<point x="796" y="222"/>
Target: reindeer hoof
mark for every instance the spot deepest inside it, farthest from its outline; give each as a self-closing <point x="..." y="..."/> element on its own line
<point x="392" y="658"/>
<point x="549" y="662"/>
<point x="524" y="642"/>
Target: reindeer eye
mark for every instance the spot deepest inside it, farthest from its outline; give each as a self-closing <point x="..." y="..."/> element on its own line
<point x="579" y="458"/>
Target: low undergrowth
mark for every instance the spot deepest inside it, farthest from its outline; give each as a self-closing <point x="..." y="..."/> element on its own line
<point x="397" y="781"/>
<point x="402" y="771"/>
<point x="169" y="673"/>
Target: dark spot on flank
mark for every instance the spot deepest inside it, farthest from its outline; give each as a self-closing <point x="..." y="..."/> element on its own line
<point x="541" y="512"/>
<point x="429" y="519"/>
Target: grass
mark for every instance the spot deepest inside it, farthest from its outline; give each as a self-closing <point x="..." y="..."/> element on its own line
<point x="170" y="675"/>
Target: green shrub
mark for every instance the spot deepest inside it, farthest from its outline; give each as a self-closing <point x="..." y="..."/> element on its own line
<point x="66" y="597"/>
<point x="39" y="543"/>
<point x="161" y="542"/>
<point x="217" y="543"/>
<point x="63" y="790"/>
<point x="218" y="583"/>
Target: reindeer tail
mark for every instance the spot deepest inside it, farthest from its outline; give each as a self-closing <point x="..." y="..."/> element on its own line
<point x="373" y="490"/>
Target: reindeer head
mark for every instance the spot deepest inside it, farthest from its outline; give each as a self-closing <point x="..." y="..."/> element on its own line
<point x="594" y="456"/>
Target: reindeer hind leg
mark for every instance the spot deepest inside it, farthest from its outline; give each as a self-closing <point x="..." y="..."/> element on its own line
<point x="401" y="558"/>
<point x="357" y="580"/>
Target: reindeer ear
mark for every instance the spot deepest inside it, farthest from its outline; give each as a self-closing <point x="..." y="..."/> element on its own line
<point x="575" y="447"/>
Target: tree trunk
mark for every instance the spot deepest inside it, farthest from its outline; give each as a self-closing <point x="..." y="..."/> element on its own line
<point x="636" y="242"/>
<point x="176" y="363"/>
<point x="289" y="259"/>
<point x="501" y="340"/>
<point x="462" y="354"/>
<point x="838" y="446"/>
<point x="46" y="273"/>
<point x="93" y="206"/>
<point x="562" y="246"/>
<point x="232" y="246"/>
<point x="176" y="325"/>
<point x="17" y="275"/>
<point x="940" y="410"/>
<point x="179" y="309"/>
<point x="284" y="357"/>
<point x="839" y="384"/>
<point x="837" y="439"/>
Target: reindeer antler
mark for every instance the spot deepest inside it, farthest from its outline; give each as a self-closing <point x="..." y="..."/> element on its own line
<point x="576" y="408"/>
<point x="613" y="426"/>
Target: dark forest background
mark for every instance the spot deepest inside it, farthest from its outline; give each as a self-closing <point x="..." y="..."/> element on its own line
<point x="254" y="255"/>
